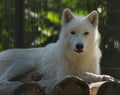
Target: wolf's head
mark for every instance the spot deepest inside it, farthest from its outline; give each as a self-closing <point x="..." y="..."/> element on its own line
<point x="79" y="34"/>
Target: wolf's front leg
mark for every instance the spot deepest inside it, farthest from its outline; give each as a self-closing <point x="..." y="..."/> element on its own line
<point x="48" y="84"/>
<point x="90" y="77"/>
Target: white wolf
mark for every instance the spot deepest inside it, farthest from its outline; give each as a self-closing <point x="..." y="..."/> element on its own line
<point x="76" y="52"/>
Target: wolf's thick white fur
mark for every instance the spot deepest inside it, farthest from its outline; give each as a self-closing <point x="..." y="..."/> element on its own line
<point x="62" y="58"/>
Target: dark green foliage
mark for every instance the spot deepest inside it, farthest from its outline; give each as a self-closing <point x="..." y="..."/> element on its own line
<point x="42" y="20"/>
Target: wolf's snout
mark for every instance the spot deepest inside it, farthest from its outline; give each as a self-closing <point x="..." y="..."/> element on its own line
<point x="79" y="46"/>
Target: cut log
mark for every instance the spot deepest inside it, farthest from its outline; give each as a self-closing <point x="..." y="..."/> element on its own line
<point x="29" y="89"/>
<point x="71" y="86"/>
<point x="94" y="87"/>
<point x="109" y="88"/>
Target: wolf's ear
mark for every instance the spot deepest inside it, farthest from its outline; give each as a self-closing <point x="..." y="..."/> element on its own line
<point x="67" y="16"/>
<point x="93" y="18"/>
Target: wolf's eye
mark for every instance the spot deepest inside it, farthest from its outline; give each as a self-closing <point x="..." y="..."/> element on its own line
<point x="86" y="33"/>
<point x="72" y="32"/>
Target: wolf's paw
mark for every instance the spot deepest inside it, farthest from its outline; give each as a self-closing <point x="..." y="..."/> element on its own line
<point x="91" y="77"/>
<point x="36" y="76"/>
<point x="107" y="78"/>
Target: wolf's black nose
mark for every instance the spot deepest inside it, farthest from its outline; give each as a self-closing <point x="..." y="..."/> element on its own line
<point x="79" y="46"/>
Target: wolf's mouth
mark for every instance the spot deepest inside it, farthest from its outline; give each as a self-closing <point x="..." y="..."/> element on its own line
<point x="79" y="51"/>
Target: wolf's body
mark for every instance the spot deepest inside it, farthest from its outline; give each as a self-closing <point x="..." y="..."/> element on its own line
<point x="76" y="52"/>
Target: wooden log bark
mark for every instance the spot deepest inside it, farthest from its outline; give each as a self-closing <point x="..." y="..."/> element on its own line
<point x="94" y="87"/>
<point x="105" y="88"/>
<point x="71" y="86"/>
<point x="109" y="88"/>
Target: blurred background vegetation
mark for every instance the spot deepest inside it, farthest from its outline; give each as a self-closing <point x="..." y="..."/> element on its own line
<point x="35" y="23"/>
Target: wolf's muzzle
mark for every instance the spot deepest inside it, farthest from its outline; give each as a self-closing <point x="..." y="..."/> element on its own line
<point x="79" y="47"/>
